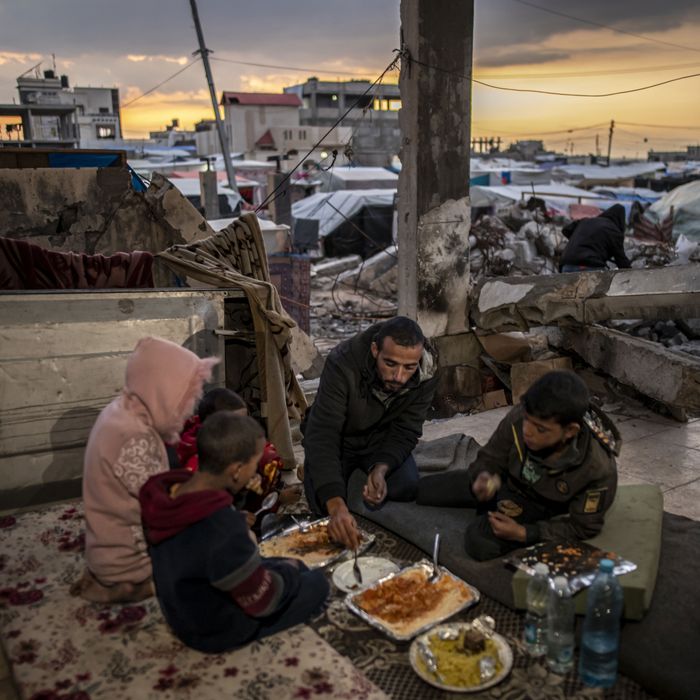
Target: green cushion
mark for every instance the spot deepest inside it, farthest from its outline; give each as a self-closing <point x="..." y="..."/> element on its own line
<point x="633" y="531"/>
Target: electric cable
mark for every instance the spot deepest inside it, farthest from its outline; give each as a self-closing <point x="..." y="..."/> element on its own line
<point x="289" y="68"/>
<point x="605" y="26"/>
<point x="271" y="196"/>
<point x="591" y="73"/>
<point x="551" y="92"/>
<point x="153" y="89"/>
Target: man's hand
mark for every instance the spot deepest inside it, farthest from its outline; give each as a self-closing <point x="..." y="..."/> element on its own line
<point x="374" y="491"/>
<point x="342" y="526"/>
<point x="250" y="518"/>
<point x="486" y="486"/>
<point x="506" y="528"/>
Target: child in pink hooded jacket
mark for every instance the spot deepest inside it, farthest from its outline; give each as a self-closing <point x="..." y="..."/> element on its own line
<point x="125" y="448"/>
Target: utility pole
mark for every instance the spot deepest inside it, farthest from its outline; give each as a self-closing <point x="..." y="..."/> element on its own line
<point x="204" y="53"/>
<point x="612" y="128"/>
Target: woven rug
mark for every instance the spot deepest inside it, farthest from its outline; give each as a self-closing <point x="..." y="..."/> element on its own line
<point x="62" y="648"/>
<point x="386" y="663"/>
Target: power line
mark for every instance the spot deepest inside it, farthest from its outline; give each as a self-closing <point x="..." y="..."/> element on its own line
<point x="583" y="74"/>
<point x="662" y="126"/>
<point x="550" y="133"/>
<point x="587" y="94"/>
<point x="552" y="92"/>
<point x="153" y="89"/>
<point x="290" y="68"/>
<point x="606" y="26"/>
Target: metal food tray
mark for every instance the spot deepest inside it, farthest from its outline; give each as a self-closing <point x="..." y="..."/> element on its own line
<point x="385" y="627"/>
<point x="366" y="541"/>
<point x="579" y="572"/>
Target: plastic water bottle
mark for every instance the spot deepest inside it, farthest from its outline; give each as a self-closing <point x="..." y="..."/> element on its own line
<point x="535" y="635"/>
<point x="560" y="627"/>
<point x="601" y="629"/>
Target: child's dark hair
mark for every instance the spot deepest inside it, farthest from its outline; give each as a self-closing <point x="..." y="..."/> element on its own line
<point x="402" y="330"/>
<point x="220" y="399"/>
<point x="561" y="396"/>
<point x="225" y="438"/>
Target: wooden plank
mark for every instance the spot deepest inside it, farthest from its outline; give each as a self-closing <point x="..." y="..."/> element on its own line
<point x="63" y="358"/>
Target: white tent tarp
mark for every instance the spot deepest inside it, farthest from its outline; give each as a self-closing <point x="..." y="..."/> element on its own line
<point x="322" y="206"/>
<point x="358" y="178"/>
<point x="685" y="201"/>
<point x="557" y="196"/>
<point x="601" y="174"/>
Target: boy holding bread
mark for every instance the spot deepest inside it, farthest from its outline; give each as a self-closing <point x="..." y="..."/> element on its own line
<point x="547" y="473"/>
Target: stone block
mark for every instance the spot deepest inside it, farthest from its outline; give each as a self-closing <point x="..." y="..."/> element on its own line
<point x="524" y="374"/>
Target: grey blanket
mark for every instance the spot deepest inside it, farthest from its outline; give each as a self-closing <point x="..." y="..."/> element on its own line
<point x="449" y="452"/>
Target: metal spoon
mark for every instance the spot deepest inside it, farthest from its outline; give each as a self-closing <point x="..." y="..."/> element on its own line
<point x="270" y="501"/>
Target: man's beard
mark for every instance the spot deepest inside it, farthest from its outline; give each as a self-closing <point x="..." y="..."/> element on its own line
<point x="391" y="387"/>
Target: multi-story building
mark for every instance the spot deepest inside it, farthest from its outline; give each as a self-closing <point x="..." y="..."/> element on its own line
<point x="266" y="126"/>
<point x="691" y="153"/>
<point x="374" y="121"/>
<point x="50" y="113"/>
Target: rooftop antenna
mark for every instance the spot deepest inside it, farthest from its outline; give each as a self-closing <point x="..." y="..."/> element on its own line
<point x="204" y="53"/>
<point x="33" y="68"/>
<point x="53" y="59"/>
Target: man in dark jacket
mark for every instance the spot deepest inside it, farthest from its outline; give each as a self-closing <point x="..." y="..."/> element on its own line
<point x="547" y="473"/>
<point x="592" y="242"/>
<point x="374" y="394"/>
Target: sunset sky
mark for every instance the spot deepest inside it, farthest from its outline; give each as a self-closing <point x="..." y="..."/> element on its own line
<point x="136" y="45"/>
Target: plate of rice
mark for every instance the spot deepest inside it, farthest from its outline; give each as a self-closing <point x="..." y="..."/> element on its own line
<point x="457" y="654"/>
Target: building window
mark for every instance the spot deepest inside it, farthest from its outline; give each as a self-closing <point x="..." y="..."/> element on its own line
<point x="394" y="105"/>
<point x="106" y="132"/>
<point x="104" y="110"/>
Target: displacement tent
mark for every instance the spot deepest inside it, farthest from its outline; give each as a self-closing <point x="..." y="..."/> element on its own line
<point x="350" y="221"/>
<point x="683" y="205"/>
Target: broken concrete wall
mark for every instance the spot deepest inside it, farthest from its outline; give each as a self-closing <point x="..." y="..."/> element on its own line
<point x="668" y="377"/>
<point x="522" y="302"/>
<point x="94" y="210"/>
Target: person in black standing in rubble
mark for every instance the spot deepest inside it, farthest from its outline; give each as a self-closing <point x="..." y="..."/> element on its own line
<point x="373" y="397"/>
<point x="592" y="242"/>
<point x="547" y="473"/>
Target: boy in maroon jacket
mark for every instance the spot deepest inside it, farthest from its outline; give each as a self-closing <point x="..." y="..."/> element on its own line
<point x="215" y="590"/>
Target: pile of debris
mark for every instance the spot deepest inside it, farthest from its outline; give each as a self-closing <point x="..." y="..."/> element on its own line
<point x="682" y="335"/>
<point x="348" y="294"/>
<point x="496" y="250"/>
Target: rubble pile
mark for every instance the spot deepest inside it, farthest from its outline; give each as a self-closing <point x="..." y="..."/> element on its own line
<point x="682" y="335"/>
<point x="349" y="294"/>
<point x="648" y="253"/>
<point x="496" y="250"/>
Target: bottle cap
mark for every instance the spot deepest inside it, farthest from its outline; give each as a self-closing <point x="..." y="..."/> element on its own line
<point x="541" y="568"/>
<point x="607" y="565"/>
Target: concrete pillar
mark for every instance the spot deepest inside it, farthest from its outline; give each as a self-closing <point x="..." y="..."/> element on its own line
<point x="280" y="207"/>
<point x="208" y="194"/>
<point x="434" y="214"/>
